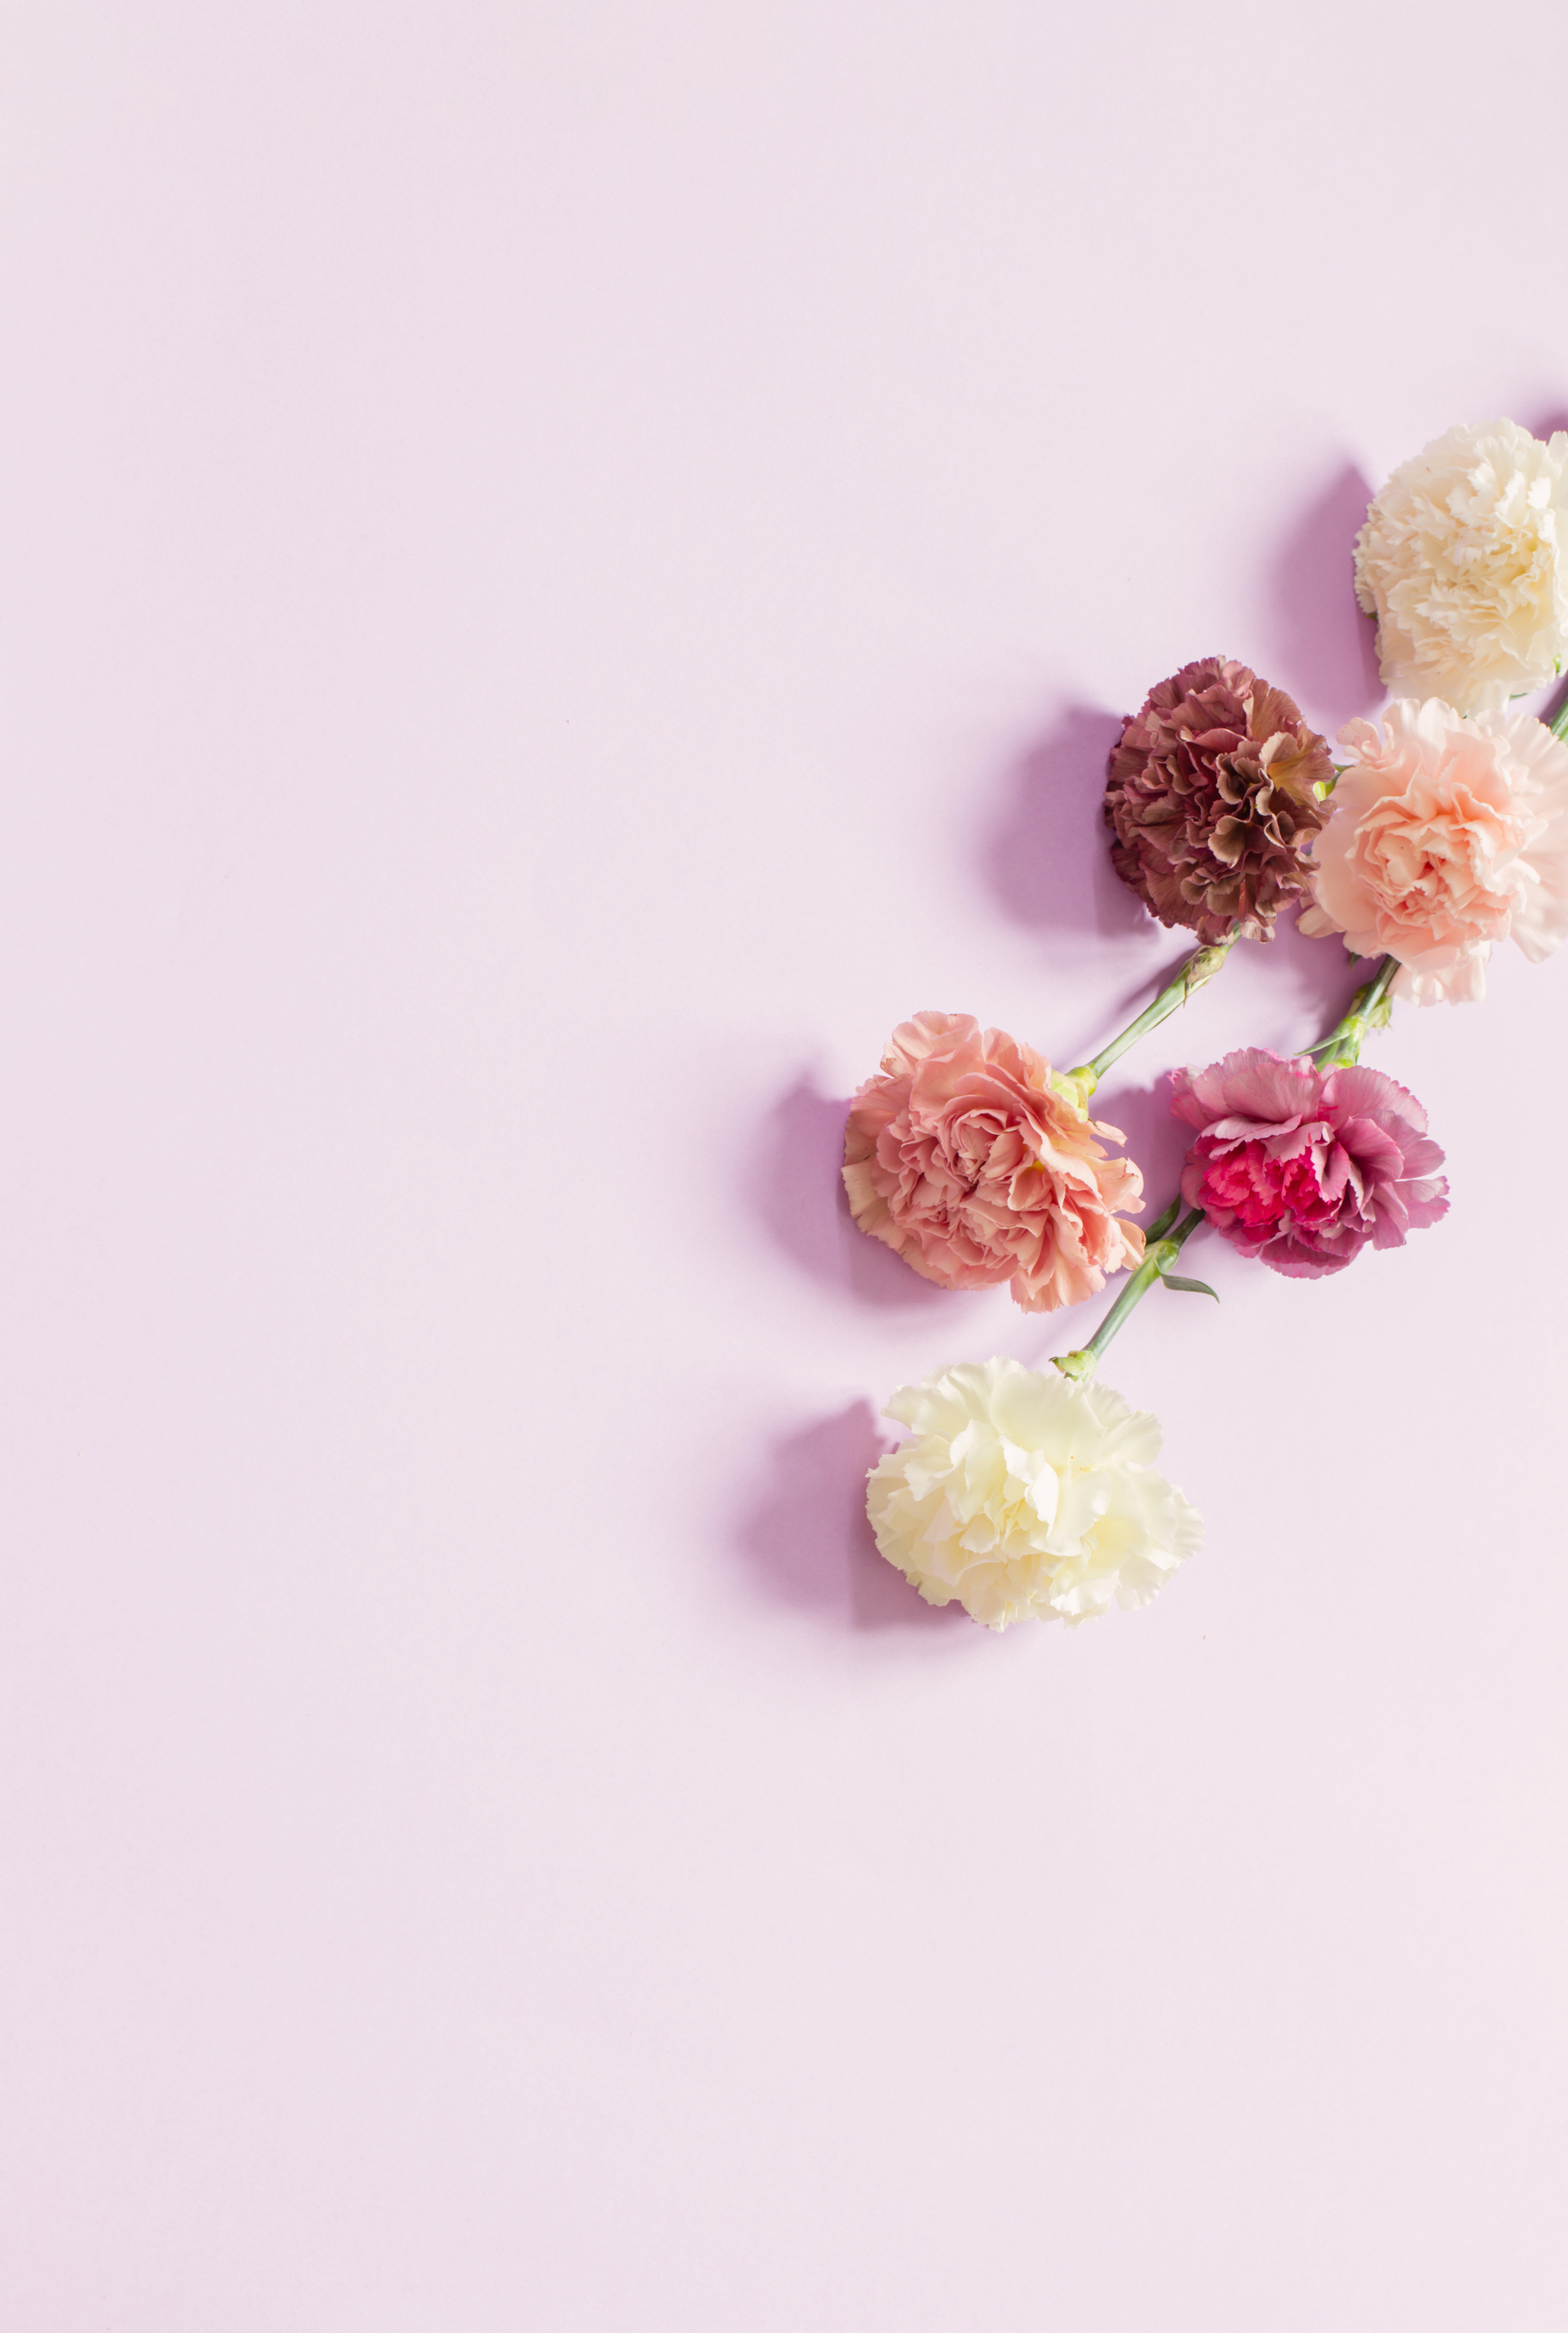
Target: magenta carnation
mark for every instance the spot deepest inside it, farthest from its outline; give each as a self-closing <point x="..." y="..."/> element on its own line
<point x="1301" y="1166"/>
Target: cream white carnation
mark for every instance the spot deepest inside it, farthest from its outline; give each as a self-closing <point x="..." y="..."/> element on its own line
<point x="1462" y="560"/>
<point x="1025" y="1495"/>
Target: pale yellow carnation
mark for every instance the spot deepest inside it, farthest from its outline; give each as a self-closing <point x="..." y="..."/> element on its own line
<point x="1027" y="1495"/>
<point x="1464" y="561"/>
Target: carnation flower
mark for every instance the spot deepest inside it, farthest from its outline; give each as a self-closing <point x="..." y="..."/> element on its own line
<point x="1209" y="795"/>
<point x="1303" y="1167"/>
<point x="1446" y="835"/>
<point x="965" y="1156"/>
<point x="1024" y="1495"/>
<point x="1461" y="561"/>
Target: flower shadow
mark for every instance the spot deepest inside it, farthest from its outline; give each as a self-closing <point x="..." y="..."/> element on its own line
<point x="1047" y="859"/>
<point x="1327" y="646"/>
<point x="1299" y="987"/>
<point x="1152" y="1136"/>
<point x="804" y="1204"/>
<point x="808" y="1543"/>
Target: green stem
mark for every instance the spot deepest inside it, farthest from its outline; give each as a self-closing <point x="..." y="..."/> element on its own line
<point x="1368" y="1010"/>
<point x="1200" y="967"/>
<point x="1158" y="1259"/>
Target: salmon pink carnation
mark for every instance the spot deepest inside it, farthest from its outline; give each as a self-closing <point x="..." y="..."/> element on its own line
<point x="1447" y="834"/>
<point x="1303" y="1167"/>
<point x="969" y="1158"/>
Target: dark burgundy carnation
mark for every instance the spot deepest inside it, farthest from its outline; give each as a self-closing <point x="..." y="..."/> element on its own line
<point x="1210" y="797"/>
<point x="1303" y="1167"/>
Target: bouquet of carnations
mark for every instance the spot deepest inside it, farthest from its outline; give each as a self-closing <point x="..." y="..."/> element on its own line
<point x="1440" y="830"/>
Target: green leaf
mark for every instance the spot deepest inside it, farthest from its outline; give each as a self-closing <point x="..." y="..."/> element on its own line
<point x="1189" y="1287"/>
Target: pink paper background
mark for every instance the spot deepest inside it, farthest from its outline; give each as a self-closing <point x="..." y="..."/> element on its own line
<point x="566" y="564"/>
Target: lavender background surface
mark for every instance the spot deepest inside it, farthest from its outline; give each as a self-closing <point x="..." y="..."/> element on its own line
<point x="565" y="566"/>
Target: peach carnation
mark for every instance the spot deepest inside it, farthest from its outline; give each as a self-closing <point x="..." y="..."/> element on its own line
<point x="1464" y="561"/>
<point x="1447" y="834"/>
<point x="965" y="1155"/>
